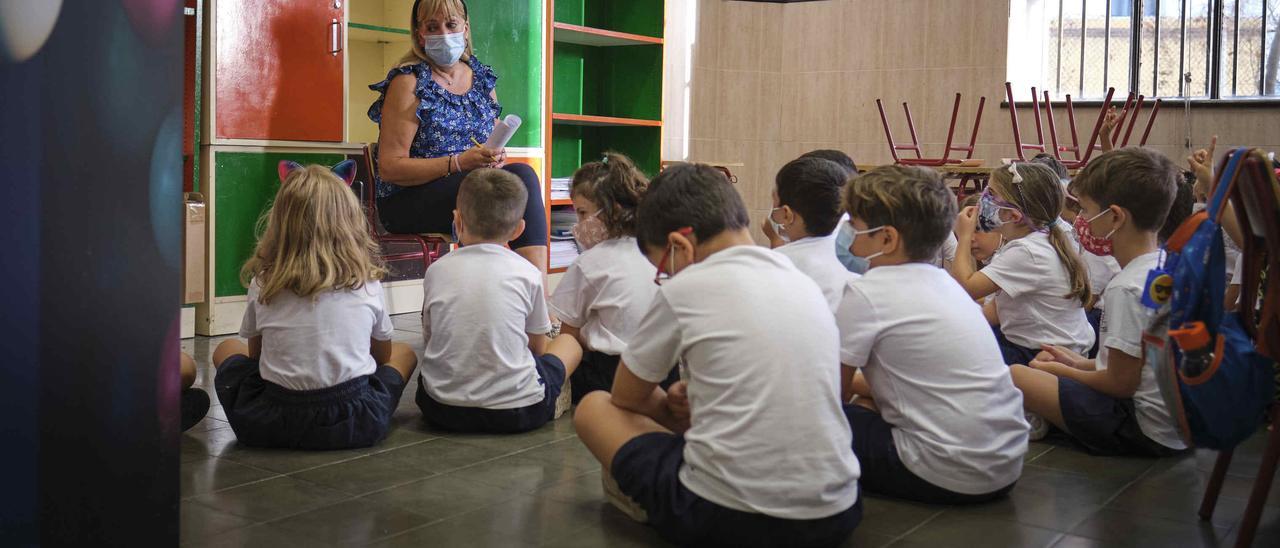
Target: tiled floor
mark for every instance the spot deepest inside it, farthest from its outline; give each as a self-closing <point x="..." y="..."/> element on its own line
<point x="426" y="488"/>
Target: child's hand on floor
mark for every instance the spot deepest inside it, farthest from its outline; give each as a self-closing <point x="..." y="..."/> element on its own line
<point x="966" y="222"/>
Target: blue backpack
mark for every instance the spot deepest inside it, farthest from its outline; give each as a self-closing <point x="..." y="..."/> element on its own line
<point x="1215" y="383"/>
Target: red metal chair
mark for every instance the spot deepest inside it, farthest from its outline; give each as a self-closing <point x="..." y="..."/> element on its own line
<point x="946" y="158"/>
<point x="1022" y="147"/>
<point x="1130" y="113"/>
<point x="430" y="246"/>
<point x="1256" y="200"/>
<point x="1081" y="157"/>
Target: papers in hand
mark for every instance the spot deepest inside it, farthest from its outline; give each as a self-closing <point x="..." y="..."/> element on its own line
<point x="502" y="132"/>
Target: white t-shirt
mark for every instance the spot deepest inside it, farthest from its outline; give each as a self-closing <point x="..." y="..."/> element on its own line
<point x="1237" y="275"/>
<point x="768" y="432"/>
<point x="937" y="376"/>
<point x="816" y="258"/>
<point x="1030" y="302"/>
<point x="479" y="304"/>
<point x="604" y="293"/>
<point x="320" y="341"/>
<point x="1123" y="321"/>
<point x="947" y="253"/>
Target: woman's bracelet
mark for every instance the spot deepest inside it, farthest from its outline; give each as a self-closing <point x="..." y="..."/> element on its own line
<point x="448" y="166"/>
<point x="454" y="164"/>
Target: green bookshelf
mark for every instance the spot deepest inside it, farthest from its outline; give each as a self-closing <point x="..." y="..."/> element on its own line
<point x="605" y="85"/>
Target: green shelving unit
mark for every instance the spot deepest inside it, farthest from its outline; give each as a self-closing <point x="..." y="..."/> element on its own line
<point x="605" y="93"/>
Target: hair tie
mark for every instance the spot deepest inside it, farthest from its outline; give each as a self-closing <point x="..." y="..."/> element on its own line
<point x="604" y="160"/>
<point x="1013" y="170"/>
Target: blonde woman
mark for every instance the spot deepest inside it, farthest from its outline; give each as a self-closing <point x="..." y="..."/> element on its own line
<point x="434" y="109"/>
<point x="319" y="370"/>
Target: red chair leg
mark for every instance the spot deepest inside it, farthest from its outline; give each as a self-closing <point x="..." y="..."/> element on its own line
<point x="1210" y="500"/>
<point x="1261" y="486"/>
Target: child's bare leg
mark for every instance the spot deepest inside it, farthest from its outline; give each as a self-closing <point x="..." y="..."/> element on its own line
<point x="188" y="366"/>
<point x="228" y="348"/>
<point x="403" y="359"/>
<point x="1039" y="393"/>
<point x="604" y="427"/>
<point x="568" y="351"/>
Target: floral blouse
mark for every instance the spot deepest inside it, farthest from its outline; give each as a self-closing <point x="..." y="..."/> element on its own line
<point x="447" y="122"/>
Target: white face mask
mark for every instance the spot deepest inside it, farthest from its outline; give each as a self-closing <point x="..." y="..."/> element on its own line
<point x="445" y="49"/>
<point x="867" y="231"/>
<point x="778" y="228"/>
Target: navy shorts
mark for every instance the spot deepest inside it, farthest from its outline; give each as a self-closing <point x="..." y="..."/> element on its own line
<point x="551" y="374"/>
<point x="1104" y="425"/>
<point x="647" y="470"/>
<point x="883" y="472"/>
<point x="1013" y="353"/>
<point x="1095" y="321"/>
<point x="356" y="413"/>
<point x="596" y="372"/>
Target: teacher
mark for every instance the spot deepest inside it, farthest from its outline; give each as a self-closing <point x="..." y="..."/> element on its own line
<point x="434" y="107"/>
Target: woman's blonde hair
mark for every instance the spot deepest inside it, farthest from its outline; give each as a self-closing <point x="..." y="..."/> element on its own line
<point x="428" y="8"/>
<point x="1039" y="196"/>
<point x="313" y="239"/>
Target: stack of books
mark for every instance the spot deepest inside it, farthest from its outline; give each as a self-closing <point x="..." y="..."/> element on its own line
<point x="564" y="249"/>
<point x="560" y="188"/>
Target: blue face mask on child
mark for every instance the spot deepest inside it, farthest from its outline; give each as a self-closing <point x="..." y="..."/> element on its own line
<point x="844" y="239"/>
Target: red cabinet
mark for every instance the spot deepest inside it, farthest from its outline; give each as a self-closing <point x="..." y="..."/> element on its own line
<point x="278" y="69"/>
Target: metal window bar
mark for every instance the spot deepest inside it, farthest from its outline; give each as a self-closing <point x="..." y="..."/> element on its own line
<point x="1235" y="49"/>
<point x="1182" y="52"/>
<point x="1084" y="13"/>
<point x="1213" y="58"/>
<point x="1135" y="44"/>
<point x="1058" y="80"/>
<point x="1262" y="52"/>
<point x="1106" y="46"/>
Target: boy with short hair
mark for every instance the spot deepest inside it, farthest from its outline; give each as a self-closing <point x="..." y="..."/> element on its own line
<point x="945" y="425"/>
<point x="758" y="452"/>
<point x="1112" y="405"/>
<point x="806" y="198"/>
<point x="487" y="365"/>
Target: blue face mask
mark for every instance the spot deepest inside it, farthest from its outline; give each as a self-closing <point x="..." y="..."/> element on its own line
<point x="445" y="49"/>
<point x="844" y="239"/>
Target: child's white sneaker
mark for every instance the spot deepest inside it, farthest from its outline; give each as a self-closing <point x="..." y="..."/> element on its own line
<point x="1039" y="427"/>
<point x="565" y="400"/>
<point x="614" y="495"/>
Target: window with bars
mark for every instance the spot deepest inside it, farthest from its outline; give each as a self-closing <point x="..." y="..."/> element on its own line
<point x="1199" y="49"/>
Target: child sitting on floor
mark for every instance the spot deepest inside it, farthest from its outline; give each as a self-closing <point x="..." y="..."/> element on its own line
<point x="603" y="294"/>
<point x="948" y="425"/>
<point x="1040" y="284"/>
<point x="806" y="199"/>
<point x="487" y="365"/>
<point x="760" y="454"/>
<point x="320" y="370"/>
<point x="1112" y="405"/>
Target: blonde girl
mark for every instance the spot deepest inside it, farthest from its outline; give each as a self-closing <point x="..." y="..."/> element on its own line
<point x="1041" y="286"/>
<point x="319" y="370"/>
<point x="606" y="291"/>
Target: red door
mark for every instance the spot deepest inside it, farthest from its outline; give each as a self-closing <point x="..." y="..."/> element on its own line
<point x="279" y="70"/>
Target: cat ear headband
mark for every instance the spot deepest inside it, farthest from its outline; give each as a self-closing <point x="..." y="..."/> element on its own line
<point x="345" y="170"/>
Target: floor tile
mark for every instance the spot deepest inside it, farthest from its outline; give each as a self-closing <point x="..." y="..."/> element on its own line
<point x="510" y="443"/>
<point x="441" y="497"/>
<point x="1047" y="498"/>
<point x="439" y="455"/>
<point x="208" y="443"/>
<point x="271" y="499"/>
<point x="894" y="517"/>
<point x="863" y="538"/>
<point x="197" y="521"/>
<point x="213" y="473"/>
<point x="408" y="322"/>
<point x="569" y="451"/>
<point x="583" y="489"/>
<point x="962" y="531"/>
<point x="526" y="520"/>
<point x="364" y="475"/>
<point x="1121" y="469"/>
<point x="288" y="461"/>
<point x="1118" y="528"/>
<point x="265" y="536"/>
<point x="349" y="523"/>
<point x="520" y="473"/>
<point x="611" y="529"/>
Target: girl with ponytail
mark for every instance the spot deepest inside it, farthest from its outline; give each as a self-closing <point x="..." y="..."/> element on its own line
<point x="1041" y="285"/>
<point x="604" y="293"/>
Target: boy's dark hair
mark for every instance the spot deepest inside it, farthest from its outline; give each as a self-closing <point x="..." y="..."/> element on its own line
<point x="616" y="186"/>
<point x="913" y="200"/>
<point x="688" y="195"/>
<point x="1184" y="201"/>
<point x="836" y="156"/>
<point x="1052" y="163"/>
<point x="811" y="186"/>
<point x="492" y="202"/>
<point x="1140" y="180"/>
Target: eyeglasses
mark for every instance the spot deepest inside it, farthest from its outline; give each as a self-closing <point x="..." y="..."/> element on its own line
<point x="669" y="257"/>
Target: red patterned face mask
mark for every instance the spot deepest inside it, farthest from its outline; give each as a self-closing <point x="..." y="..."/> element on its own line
<point x="1100" y="246"/>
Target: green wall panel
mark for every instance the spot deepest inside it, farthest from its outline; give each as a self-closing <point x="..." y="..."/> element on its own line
<point x="572" y="146"/>
<point x="644" y="17"/>
<point x="623" y="81"/>
<point x="246" y="182"/>
<point x="507" y="35"/>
